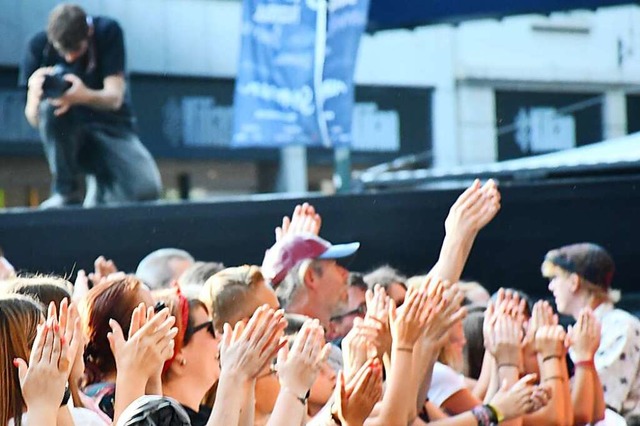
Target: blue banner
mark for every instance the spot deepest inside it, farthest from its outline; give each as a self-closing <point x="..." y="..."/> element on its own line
<point x="295" y="77"/>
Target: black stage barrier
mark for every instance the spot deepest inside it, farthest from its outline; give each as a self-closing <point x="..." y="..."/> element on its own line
<point x="404" y="229"/>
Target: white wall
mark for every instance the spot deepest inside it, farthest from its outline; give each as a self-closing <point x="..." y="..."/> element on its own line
<point x="515" y="49"/>
<point x="573" y="51"/>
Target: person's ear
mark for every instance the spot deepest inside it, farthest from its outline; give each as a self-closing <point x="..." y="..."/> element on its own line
<point x="308" y="277"/>
<point x="575" y="282"/>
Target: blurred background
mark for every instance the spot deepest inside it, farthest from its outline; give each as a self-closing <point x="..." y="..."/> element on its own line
<point x="455" y="85"/>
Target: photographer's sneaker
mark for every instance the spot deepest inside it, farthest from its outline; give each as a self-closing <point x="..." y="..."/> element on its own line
<point x="58" y="200"/>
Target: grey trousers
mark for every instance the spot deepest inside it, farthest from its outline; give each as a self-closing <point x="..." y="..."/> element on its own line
<point x="117" y="166"/>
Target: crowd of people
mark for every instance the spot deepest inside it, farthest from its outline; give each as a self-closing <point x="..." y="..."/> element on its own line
<point x="302" y="340"/>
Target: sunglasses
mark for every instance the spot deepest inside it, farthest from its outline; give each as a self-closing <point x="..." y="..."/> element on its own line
<point x="361" y="310"/>
<point x="193" y="330"/>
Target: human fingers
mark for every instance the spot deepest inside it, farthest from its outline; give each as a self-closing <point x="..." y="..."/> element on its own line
<point x="227" y="335"/>
<point x="471" y="190"/>
<point x="524" y="382"/>
<point x="134" y="324"/>
<point x="317" y="224"/>
<point x="314" y="345"/>
<point x="76" y="339"/>
<point x="368" y="299"/>
<point x="47" y="350"/>
<point x="149" y="328"/>
<point x="263" y="330"/>
<point x="164" y="329"/>
<point x="52" y="312"/>
<point x="302" y="336"/>
<point x="64" y="313"/>
<point x="255" y="321"/>
<point x="61" y="357"/>
<point x="375" y="384"/>
<point x="341" y="393"/>
<point x="167" y="343"/>
<point x="147" y="315"/>
<point x="283" y="356"/>
<point x="359" y="377"/>
<point x="273" y="341"/>
<point x="393" y="314"/>
<point x="324" y="353"/>
<point x="71" y="318"/>
<point x="363" y="383"/>
<point x="38" y="343"/>
<point x="410" y="306"/>
<point x="115" y="337"/>
<point x="61" y="110"/>
<point x="473" y="205"/>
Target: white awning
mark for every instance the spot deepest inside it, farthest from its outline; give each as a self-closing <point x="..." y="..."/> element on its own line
<point x="617" y="153"/>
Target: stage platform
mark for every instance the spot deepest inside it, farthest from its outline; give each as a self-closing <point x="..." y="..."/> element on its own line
<point x="404" y="229"/>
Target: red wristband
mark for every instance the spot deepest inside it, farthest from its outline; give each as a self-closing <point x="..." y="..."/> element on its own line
<point x="585" y="364"/>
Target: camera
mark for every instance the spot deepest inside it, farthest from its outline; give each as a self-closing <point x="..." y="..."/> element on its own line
<point x="54" y="84"/>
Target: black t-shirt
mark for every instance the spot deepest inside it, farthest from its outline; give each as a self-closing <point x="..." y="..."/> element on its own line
<point x="104" y="57"/>
<point x="201" y="417"/>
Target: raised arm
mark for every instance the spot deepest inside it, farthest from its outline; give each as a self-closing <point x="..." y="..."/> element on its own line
<point x="407" y="325"/>
<point x="549" y="345"/>
<point x="586" y="392"/>
<point x="473" y="209"/>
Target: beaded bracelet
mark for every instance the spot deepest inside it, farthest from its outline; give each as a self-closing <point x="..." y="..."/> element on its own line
<point x="484" y="415"/>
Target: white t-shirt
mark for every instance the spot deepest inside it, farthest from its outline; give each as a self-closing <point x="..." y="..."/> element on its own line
<point x="81" y="416"/>
<point x="445" y="381"/>
<point x="611" y="418"/>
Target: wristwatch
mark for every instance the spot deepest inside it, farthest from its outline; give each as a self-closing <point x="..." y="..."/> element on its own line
<point x="304" y="399"/>
<point x="66" y="396"/>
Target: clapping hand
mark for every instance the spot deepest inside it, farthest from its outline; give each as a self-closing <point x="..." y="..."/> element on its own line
<point x="303" y="220"/>
<point x="407" y="323"/>
<point x="584" y="336"/>
<point x="149" y="345"/>
<point x="506" y="339"/>
<point x="298" y="367"/>
<point x="444" y="308"/>
<point x="549" y="341"/>
<point x="43" y="380"/>
<point x="104" y="269"/>
<point x="542" y="315"/>
<point x="357" y="347"/>
<point x="354" y="400"/>
<point x="246" y="350"/>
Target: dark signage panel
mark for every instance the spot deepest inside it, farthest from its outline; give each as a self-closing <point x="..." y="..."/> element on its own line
<point x="533" y="123"/>
<point x="633" y="113"/>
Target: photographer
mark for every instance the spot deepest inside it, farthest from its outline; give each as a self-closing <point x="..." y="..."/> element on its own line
<point x="77" y="98"/>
